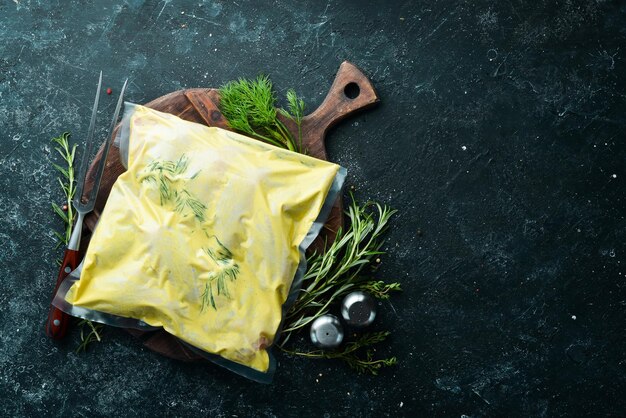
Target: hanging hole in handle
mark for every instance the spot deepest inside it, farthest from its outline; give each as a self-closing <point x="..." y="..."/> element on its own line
<point x="352" y="90"/>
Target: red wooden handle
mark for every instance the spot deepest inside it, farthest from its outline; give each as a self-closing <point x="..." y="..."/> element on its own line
<point x="56" y="325"/>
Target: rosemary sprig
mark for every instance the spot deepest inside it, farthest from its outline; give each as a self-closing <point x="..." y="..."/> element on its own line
<point x="226" y="270"/>
<point x="185" y="199"/>
<point x="164" y="173"/>
<point x="68" y="185"/>
<point x="221" y="285"/>
<point x="350" y="353"/>
<point x="250" y="108"/>
<point x="337" y="271"/>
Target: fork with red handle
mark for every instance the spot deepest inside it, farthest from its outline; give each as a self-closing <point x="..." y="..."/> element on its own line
<point x="57" y="322"/>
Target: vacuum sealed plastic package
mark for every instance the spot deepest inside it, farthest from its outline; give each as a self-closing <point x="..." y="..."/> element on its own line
<point x="203" y="235"/>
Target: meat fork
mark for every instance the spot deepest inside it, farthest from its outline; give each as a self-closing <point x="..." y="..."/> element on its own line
<point x="56" y="325"/>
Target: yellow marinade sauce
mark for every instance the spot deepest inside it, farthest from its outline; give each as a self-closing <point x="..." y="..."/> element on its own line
<point x="200" y="235"/>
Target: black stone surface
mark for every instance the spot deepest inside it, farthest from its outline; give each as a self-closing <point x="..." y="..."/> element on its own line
<point x="500" y="137"/>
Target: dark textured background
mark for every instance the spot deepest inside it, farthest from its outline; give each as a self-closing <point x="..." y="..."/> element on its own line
<point x="500" y="136"/>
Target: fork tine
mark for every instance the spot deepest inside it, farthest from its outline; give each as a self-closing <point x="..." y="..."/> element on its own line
<point x="84" y="162"/>
<point x="107" y="146"/>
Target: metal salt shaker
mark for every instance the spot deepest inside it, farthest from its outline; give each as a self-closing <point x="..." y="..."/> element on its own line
<point x="326" y="331"/>
<point x="358" y="309"/>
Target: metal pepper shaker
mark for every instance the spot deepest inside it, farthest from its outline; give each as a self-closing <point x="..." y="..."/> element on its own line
<point x="326" y="331"/>
<point x="358" y="309"/>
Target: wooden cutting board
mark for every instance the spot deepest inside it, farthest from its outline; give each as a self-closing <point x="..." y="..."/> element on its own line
<point x="350" y="92"/>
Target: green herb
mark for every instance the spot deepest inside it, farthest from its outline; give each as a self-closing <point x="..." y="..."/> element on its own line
<point x="68" y="185"/>
<point x="167" y="176"/>
<point x="184" y="199"/>
<point x="164" y="174"/>
<point x="295" y="113"/>
<point x="87" y="338"/>
<point x="335" y="273"/>
<point x="250" y="108"/>
<point x="380" y="289"/>
<point x="351" y="353"/>
<point x="225" y="271"/>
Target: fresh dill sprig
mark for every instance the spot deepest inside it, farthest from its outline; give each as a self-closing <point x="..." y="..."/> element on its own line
<point x="68" y="185"/>
<point x="295" y="113"/>
<point x="352" y="353"/>
<point x="249" y="106"/>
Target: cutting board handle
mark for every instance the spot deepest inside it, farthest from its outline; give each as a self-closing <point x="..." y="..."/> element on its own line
<point x="351" y="91"/>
